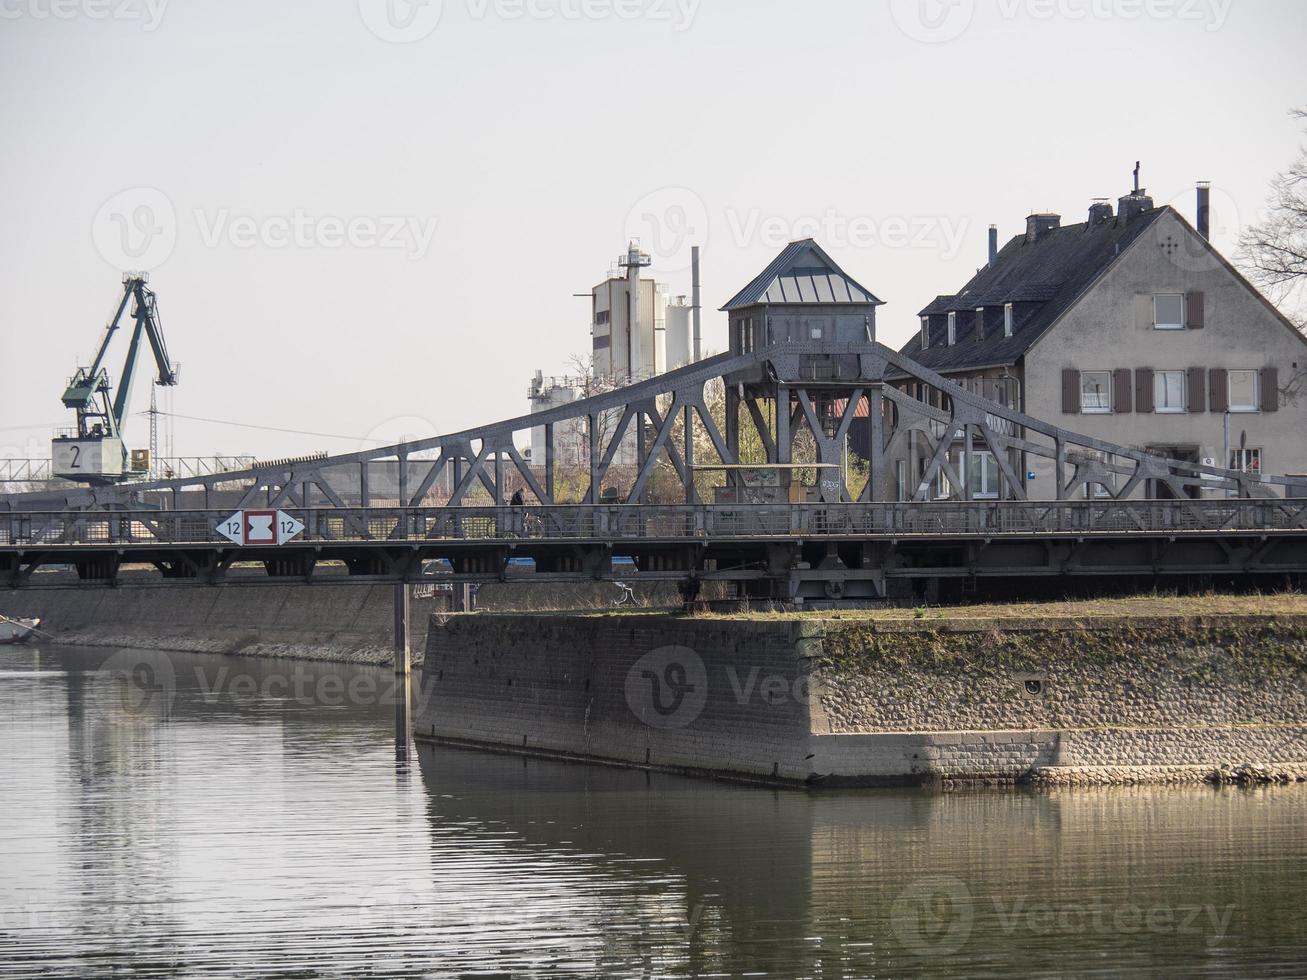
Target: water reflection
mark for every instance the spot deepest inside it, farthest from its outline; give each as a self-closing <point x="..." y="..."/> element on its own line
<point x="403" y="721"/>
<point x="184" y="814"/>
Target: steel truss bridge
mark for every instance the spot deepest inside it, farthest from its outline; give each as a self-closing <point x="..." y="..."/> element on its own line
<point x="628" y="502"/>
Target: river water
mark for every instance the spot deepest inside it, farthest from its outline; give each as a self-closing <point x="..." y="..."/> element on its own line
<point x="182" y="815"/>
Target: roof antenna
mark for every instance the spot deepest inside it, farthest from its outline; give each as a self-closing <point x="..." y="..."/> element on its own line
<point x="1136" y="176"/>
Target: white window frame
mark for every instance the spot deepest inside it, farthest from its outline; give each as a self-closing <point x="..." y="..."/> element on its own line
<point x="1096" y="491"/>
<point x="1242" y="460"/>
<point x="986" y="492"/>
<point x="980" y="324"/>
<point x="1008" y="319"/>
<point x="943" y="485"/>
<point x="923" y="464"/>
<point x="1256" y="405"/>
<point x="952" y="329"/>
<point x="1157" y="325"/>
<point x="1159" y="387"/>
<point x="1107" y="392"/>
<point x="925" y="332"/>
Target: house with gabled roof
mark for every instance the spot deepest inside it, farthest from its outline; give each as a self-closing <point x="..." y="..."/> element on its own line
<point x="1129" y="327"/>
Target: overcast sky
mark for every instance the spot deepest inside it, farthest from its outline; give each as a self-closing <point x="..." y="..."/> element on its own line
<point x="366" y="218"/>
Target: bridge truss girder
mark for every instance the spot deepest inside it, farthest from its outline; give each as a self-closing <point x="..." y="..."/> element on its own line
<point x="666" y="420"/>
<point x="651" y="443"/>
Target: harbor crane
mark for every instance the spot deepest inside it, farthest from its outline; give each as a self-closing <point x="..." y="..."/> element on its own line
<point x="94" y="452"/>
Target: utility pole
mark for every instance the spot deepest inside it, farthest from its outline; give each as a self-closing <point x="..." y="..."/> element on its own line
<point x="1226" y="461"/>
<point x="696" y="310"/>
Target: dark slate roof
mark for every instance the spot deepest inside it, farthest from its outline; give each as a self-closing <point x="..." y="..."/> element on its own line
<point x="941" y="304"/>
<point x="1044" y="278"/>
<point x="802" y="274"/>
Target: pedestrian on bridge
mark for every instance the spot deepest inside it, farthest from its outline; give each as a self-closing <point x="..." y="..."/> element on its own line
<point x="518" y="503"/>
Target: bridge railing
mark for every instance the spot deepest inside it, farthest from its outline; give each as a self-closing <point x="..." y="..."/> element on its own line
<point x="587" y="523"/>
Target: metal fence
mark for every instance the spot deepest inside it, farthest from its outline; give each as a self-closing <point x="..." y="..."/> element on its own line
<point x="589" y="523"/>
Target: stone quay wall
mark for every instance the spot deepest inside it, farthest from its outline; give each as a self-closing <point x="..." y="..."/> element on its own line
<point x="828" y="702"/>
<point x="629" y="689"/>
<point x="339" y="623"/>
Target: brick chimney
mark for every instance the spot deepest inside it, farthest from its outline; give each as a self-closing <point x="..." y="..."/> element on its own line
<point x="1133" y="204"/>
<point x="1136" y="202"/>
<point x="1099" y="212"/>
<point x="1039" y="225"/>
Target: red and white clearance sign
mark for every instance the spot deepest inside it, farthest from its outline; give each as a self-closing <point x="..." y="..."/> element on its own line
<point x="252" y="527"/>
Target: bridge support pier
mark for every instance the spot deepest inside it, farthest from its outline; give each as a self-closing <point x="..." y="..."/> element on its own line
<point x="403" y="657"/>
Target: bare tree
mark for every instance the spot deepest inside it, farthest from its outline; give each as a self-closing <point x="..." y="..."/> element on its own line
<point x="572" y="438"/>
<point x="1274" y="251"/>
<point x="589" y="384"/>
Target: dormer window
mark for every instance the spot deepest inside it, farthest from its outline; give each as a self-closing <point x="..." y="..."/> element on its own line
<point x="1008" y="318"/>
<point x="952" y="329"/>
<point x="980" y="324"/>
<point x="925" y="332"/>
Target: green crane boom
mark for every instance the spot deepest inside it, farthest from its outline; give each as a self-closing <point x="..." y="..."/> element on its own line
<point x="102" y="413"/>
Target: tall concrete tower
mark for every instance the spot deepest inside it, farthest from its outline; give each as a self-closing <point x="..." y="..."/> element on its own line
<point x="634" y="261"/>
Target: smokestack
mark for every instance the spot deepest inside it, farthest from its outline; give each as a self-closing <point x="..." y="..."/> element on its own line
<point x="694" y="275"/>
<point x="633" y="294"/>
<point x="993" y="243"/>
<point x="1204" y="209"/>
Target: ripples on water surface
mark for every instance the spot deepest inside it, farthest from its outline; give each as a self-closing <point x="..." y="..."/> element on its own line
<point x="242" y="820"/>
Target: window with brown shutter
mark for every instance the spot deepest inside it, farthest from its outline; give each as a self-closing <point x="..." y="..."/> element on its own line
<point x="1143" y="389"/>
<point x="1122" y="392"/>
<point x="1197" y="389"/>
<point x="1219" y="379"/>
<point x="1070" y="391"/>
<point x="1270" y="389"/>
<point x="1195" y="314"/>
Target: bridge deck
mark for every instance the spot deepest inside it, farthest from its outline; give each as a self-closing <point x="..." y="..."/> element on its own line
<point x="876" y="542"/>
